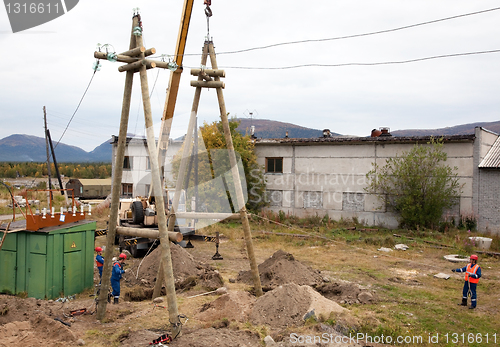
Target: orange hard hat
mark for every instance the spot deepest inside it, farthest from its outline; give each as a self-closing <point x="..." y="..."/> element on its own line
<point x="473" y="257"/>
<point x="98" y="249"/>
<point x="122" y="256"/>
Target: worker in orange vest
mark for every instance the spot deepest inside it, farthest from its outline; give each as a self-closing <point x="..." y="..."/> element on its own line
<point x="99" y="261"/>
<point x="472" y="275"/>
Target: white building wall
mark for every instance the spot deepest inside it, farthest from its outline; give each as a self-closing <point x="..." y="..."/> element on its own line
<point x="330" y="177"/>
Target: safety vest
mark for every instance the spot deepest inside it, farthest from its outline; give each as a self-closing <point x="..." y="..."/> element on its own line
<point x="471" y="271"/>
<point x="98" y="263"/>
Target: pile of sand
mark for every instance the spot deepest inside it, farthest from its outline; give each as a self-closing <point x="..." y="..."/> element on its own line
<point x="40" y="330"/>
<point x="234" y="305"/>
<point x="287" y="305"/>
<point x="188" y="272"/>
<point x="197" y="338"/>
<point x="282" y="268"/>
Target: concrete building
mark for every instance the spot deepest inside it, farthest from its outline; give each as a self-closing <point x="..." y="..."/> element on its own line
<point x="136" y="180"/>
<point x="327" y="175"/>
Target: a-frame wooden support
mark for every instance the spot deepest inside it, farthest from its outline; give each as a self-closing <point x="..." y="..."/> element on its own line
<point x="135" y="57"/>
<point x="211" y="79"/>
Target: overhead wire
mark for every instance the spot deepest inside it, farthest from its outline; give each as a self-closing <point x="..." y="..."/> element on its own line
<point x="362" y="64"/>
<point x="77" y="107"/>
<point x="352" y="36"/>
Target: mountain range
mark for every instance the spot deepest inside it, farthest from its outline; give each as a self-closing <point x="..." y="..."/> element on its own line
<point x="24" y="148"/>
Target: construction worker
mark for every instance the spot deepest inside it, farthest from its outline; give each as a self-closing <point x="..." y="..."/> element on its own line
<point x="472" y="275"/>
<point x="116" y="276"/>
<point x="99" y="261"/>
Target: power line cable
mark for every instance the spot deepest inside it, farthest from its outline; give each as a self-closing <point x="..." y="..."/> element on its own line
<point x="362" y="64"/>
<point x="352" y="36"/>
<point x="77" y="107"/>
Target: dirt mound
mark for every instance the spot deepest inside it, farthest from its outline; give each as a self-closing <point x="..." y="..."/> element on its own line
<point x="282" y="268"/>
<point x="346" y="293"/>
<point x="195" y="338"/>
<point x="232" y="306"/>
<point x="13" y="308"/>
<point x="288" y="304"/>
<point x="40" y="330"/>
<point x="217" y="337"/>
<point x="188" y="272"/>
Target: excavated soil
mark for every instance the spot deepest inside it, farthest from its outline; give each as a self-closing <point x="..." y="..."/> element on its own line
<point x="288" y="305"/>
<point x="188" y="272"/>
<point x="39" y="330"/>
<point x="196" y="338"/>
<point x="282" y="268"/>
<point x="346" y="293"/>
<point x="232" y="306"/>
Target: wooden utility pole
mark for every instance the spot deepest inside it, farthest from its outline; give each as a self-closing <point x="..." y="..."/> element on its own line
<point x="49" y="193"/>
<point x="236" y="176"/>
<point x="205" y="81"/>
<point x="135" y="58"/>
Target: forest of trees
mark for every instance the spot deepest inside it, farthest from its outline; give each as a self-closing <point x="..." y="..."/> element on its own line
<point x="70" y="170"/>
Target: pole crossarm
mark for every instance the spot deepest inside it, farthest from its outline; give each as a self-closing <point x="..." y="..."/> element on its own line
<point x="134" y="59"/>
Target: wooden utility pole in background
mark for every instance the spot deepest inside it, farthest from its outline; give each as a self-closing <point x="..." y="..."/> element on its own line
<point x="49" y="193"/>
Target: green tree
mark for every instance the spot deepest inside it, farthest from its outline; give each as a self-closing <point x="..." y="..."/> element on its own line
<point x="213" y="139"/>
<point x="417" y="185"/>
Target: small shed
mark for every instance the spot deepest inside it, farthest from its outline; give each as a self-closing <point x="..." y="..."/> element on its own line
<point x="90" y="188"/>
<point x="50" y="262"/>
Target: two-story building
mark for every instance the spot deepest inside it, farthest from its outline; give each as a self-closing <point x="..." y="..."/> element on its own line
<point x="136" y="179"/>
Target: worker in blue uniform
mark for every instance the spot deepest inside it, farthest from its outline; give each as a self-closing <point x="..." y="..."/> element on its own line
<point x="472" y="275"/>
<point x="116" y="276"/>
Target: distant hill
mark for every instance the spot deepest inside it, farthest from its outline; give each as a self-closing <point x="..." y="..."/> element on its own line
<point x="101" y="153"/>
<point x="27" y="148"/>
<point x="464" y="129"/>
<point x="270" y="129"/>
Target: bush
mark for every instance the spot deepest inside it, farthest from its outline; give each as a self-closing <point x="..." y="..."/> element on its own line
<point x="417" y="185"/>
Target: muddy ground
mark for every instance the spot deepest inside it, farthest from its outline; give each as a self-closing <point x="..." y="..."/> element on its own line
<point x="302" y="294"/>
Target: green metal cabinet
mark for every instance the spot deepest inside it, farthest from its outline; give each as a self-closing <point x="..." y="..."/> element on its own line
<point x="48" y="263"/>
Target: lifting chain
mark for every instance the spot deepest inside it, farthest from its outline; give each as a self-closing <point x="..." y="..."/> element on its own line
<point x="208" y="13"/>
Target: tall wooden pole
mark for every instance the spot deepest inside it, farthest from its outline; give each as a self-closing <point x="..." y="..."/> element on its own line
<point x="160" y="202"/>
<point x="116" y="187"/>
<point x="236" y="178"/>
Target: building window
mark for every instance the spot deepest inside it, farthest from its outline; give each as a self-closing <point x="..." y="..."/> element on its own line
<point x="127" y="189"/>
<point x="353" y="201"/>
<point x="313" y="200"/>
<point x="148" y="164"/>
<point x="127" y="163"/>
<point x="274" y="165"/>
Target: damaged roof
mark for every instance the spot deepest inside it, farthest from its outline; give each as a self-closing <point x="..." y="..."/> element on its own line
<point x="492" y="158"/>
<point x="380" y="139"/>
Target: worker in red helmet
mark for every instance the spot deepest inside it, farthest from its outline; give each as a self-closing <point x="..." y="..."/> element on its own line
<point x="99" y="261"/>
<point x="472" y="275"/>
<point x="116" y="276"/>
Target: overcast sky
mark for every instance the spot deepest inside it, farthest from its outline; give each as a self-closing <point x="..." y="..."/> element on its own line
<point x="51" y="65"/>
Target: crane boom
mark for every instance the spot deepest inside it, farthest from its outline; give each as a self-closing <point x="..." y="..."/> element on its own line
<point x="173" y="84"/>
